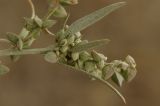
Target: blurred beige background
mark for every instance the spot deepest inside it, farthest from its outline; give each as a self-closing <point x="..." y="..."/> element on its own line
<point x="133" y="29"/>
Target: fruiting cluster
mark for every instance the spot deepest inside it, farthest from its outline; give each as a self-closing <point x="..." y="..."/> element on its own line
<point x="92" y="62"/>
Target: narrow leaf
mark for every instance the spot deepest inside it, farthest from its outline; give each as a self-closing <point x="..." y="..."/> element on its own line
<point x="92" y="18"/>
<point x="103" y="81"/>
<point x="90" y="45"/>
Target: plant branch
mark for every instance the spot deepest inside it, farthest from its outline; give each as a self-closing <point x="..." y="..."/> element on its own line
<point x="9" y="52"/>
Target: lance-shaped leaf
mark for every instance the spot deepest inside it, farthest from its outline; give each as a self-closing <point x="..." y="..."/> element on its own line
<point x="92" y="18"/>
<point x="98" y="78"/>
<point x="90" y="45"/>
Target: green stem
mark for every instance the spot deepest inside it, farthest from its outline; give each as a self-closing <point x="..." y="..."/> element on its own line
<point x="9" y="52"/>
<point x="50" y="13"/>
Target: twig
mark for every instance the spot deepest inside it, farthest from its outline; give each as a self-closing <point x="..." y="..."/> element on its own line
<point x="49" y="32"/>
<point x="32" y="8"/>
<point x="50" y="13"/>
<point x="9" y="52"/>
<point x="66" y="20"/>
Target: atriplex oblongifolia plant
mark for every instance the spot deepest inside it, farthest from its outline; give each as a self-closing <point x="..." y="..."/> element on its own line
<point x="70" y="50"/>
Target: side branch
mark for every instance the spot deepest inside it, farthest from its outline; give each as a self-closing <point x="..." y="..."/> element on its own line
<point x="9" y="52"/>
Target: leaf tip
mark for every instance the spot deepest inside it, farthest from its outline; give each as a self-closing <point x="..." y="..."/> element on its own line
<point x="122" y="3"/>
<point x="107" y="40"/>
<point x="119" y="4"/>
<point x="124" y="100"/>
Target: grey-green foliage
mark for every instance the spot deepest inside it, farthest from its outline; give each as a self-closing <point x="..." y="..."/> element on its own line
<point x="70" y="49"/>
<point x="90" y="19"/>
<point x="81" y="46"/>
